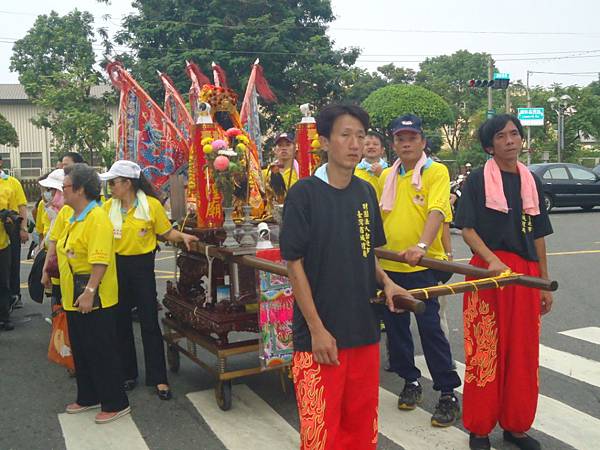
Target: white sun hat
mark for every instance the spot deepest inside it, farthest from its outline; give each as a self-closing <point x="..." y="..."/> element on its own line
<point x="123" y="168"/>
<point x="54" y="180"/>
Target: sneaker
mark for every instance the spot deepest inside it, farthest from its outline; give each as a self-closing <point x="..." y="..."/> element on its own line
<point x="105" y="417"/>
<point x="410" y="397"/>
<point x="7" y="325"/>
<point x="74" y="408"/>
<point x="447" y="411"/>
<point x="129" y="385"/>
<point x="525" y="443"/>
<point x="479" y="443"/>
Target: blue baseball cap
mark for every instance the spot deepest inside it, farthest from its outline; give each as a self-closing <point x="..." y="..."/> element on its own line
<point x="407" y="122"/>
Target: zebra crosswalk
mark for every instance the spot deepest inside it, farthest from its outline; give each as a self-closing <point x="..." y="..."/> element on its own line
<point x="255" y="424"/>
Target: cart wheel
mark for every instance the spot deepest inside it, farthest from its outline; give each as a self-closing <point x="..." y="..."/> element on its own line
<point x="223" y="395"/>
<point x="173" y="358"/>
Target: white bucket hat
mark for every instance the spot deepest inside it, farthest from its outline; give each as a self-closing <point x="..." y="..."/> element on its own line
<point x="125" y="169"/>
<point x="54" y="180"/>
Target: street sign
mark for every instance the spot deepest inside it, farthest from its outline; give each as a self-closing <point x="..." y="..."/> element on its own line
<point x="501" y="76"/>
<point x="531" y="117"/>
<point x="490" y="113"/>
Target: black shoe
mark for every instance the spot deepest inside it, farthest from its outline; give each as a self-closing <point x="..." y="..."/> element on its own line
<point x="7" y="325"/>
<point x="164" y="394"/>
<point x="447" y="411"/>
<point x="128" y="385"/>
<point x="410" y="397"/>
<point x="15" y="302"/>
<point x="479" y="443"/>
<point x="525" y="443"/>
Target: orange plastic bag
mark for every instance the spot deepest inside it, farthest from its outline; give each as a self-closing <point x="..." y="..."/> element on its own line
<point x="59" y="350"/>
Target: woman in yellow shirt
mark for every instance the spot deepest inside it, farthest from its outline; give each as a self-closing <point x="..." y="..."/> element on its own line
<point x="88" y="283"/>
<point x="138" y="218"/>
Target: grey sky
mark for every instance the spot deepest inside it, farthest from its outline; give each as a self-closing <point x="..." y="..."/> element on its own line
<point x="542" y="36"/>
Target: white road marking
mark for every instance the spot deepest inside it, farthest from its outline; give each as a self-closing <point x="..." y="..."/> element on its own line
<point x="553" y="418"/>
<point x="574" y="366"/>
<point x="82" y="433"/>
<point x="250" y="424"/>
<point x="589" y="334"/>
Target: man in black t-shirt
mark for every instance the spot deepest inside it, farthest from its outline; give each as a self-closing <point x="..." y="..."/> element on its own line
<point x="331" y="226"/>
<point x="504" y="221"/>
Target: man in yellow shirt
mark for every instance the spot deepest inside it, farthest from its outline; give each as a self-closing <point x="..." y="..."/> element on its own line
<point x="19" y="235"/>
<point x="372" y="164"/>
<point x="283" y="172"/>
<point x="415" y="195"/>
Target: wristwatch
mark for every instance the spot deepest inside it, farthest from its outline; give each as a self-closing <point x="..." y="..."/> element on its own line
<point x="423" y="246"/>
<point x="90" y="290"/>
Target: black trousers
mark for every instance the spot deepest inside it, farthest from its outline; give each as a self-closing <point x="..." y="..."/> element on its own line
<point x="95" y="352"/>
<point x="15" y="266"/>
<point x="435" y="344"/>
<point x="137" y="287"/>
<point x="5" y="263"/>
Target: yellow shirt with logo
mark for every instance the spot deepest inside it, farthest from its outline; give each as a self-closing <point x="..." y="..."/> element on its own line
<point x="7" y="200"/>
<point x="369" y="177"/>
<point x="289" y="182"/>
<point x="138" y="236"/>
<point x="404" y="224"/>
<point x="85" y="241"/>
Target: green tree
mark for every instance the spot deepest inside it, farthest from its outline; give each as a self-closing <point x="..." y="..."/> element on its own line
<point x="289" y="38"/>
<point x="8" y="134"/>
<point x="394" y="100"/>
<point x="448" y="76"/>
<point x="361" y="83"/>
<point x="55" y="64"/>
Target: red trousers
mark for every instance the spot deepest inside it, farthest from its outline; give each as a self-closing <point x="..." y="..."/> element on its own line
<point x="501" y="332"/>
<point x="337" y="405"/>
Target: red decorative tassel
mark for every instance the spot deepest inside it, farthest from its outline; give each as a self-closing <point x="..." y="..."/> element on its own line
<point x="220" y="75"/>
<point x="192" y="67"/>
<point x="262" y="86"/>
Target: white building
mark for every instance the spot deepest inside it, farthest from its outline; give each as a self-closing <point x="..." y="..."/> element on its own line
<point x="34" y="155"/>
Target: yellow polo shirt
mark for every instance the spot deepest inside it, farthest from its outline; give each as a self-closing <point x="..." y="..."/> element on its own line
<point x="7" y="200"/>
<point x="404" y="224"/>
<point x="60" y="223"/>
<point x="19" y="199"/>
<point x="289" y="182"/>
<point x="42" y="222"/>
<point x="138" y="236"/>
<point x="86" y="240"/>
<point x="369" y="177"/>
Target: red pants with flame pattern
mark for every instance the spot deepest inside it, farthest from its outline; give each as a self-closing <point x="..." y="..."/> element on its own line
<point x="337" y="405"/>
<point x="501" y="332"/>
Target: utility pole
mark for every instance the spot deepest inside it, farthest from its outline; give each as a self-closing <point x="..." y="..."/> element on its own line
<point x="507" y="106"/>
<point x="490" y="77"/>
<point x="528" y="128"/>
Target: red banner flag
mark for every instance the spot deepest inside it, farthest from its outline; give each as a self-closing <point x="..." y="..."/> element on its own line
<point x="145" y="133"/>
<point x="175" y="107"/>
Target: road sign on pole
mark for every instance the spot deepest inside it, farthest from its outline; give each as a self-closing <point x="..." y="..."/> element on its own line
<point x="501" y="76"/>
<point x="531" y="117"/>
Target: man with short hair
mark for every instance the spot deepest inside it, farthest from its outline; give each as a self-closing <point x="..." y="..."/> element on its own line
<point x="71" y="158"/>
<point x="415" y="201"/>
<point x="331" y="226"/>
<point x="504" y="222"/>
<point x="283" y="172"/>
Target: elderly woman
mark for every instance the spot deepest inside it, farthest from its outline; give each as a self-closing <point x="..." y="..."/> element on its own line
<point x="138" y="218"/>
<point x="88" y="282"/>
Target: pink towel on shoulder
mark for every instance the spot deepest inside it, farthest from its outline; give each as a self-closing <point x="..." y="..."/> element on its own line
<point x="494" y="189"/>
<point x="388" y="196"/>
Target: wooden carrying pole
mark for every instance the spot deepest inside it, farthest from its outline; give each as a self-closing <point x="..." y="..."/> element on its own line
<point x="469" y="270"/>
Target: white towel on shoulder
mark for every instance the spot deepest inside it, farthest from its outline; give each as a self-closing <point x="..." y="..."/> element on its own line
<point x="142" y="212"/>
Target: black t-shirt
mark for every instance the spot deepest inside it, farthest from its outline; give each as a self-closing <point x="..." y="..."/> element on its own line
<point x="336" y="232"/>
<point x="515" y="231"/>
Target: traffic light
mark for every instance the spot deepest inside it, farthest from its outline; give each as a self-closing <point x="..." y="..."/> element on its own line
<point x="499" y="83"/>
<point x="482" y="83"/>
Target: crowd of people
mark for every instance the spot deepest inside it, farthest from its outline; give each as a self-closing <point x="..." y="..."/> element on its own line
<point x="99" y="265"/>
